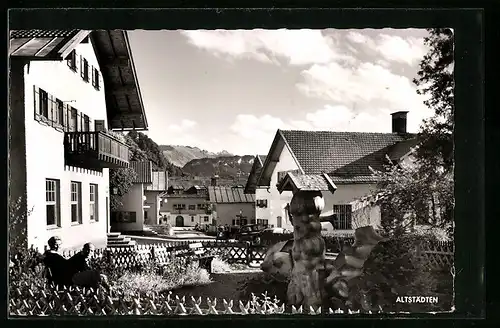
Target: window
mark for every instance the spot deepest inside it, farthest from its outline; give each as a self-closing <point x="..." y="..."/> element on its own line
<point x="72" y="119"/>
<point x="76" y="202"/>
<point x="252" y="221"/>
<point x="52" y="203"/>
<point x="71" y="61"/>
<point x="205" y="219"/>
<point x="234" y="222"/>
<point x="86" y="123"/>
<point x="342" y="217"/>
<point x="59" y="112"/>
<point x="201" y="206"/>
<point x="94" y="206"/>
<point x="84" y="69"/>
<point x="262" y="203"/>
<point x="262" y="222"/>
<point x="179" y="206"/>
<point x="192" y="207"/>
<point x="95" y="78"/>
<point x="192" y="218"/>
<point x="41" y="103"/>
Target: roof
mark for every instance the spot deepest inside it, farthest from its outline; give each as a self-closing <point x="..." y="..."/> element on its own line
<point x="158" y="181"/>
<point x="306" y="182"/>
<point x="44" y="44"/>
<point x="143" y="170"/>
<point x="228" y="195"/>
<point x="124" y="105"/>
<point x="345" y="156"/>
<point x="253" y="177"/>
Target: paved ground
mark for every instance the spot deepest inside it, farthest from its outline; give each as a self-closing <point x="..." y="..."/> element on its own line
<point x="225" y="286"/>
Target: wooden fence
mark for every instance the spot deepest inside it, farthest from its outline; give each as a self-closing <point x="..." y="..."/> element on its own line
<point x="438" y="256"/>
<point x="30" y="300"/>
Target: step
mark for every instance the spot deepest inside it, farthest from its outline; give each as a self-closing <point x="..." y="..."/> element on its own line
<point x="113" y="234"/>
<point x="119" y="242"/>
<point x="116" y="238"/>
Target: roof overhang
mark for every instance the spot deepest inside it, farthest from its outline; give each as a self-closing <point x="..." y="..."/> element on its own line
<point x="44" y="44"/>
<point x="273" y="158"/>
<point x="124" y="103"/>
<point x="306" y="182"/>
<point x="251" y="185"/>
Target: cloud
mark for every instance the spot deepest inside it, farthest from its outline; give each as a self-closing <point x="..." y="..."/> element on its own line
<point x="297" y="47"/>
<point x="409" y="50"/>
<point x="367" y="87"/>
<point x="185" y="124"/>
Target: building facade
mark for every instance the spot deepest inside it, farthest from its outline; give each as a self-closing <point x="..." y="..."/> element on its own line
<point x="153" y="192"/>
<point x="60" y="145"/>
<point x="186" y="207"/>
<point x="132" y="214"/>
<point x="232" y="206"/>
<point x="346" y="157"/>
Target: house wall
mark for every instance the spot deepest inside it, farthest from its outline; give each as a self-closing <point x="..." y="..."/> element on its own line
<point x="190" y="217"/>
<point x="153" y="201"/>
<point x="45" y="154"/>
<point x="226" y="212"/>
<point x="133" y="201"/>
<point x="345" y="194"/>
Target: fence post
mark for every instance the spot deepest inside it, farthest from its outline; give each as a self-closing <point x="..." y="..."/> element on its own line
<point x="249" y="253"/>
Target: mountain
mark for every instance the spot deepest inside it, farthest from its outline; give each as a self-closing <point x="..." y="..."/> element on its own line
<point x="226" y="167"/>
<point x="181" y="155"/>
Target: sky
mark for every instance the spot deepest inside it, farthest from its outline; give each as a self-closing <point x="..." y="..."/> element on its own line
<point x="232" y="89"/>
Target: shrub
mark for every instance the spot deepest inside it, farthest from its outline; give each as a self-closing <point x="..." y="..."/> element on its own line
<point x="151" y="278"/>
<point x="393" y="269"/>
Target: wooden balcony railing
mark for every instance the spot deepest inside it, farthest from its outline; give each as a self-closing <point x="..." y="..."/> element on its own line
<point x="96" y="149"/>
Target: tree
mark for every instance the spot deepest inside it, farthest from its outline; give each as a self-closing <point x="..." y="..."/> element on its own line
<point x="435" y="80"/>
<point x="120" y="181"/>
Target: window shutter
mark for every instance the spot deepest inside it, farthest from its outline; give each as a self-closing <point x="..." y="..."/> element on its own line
<point x="36" y="99"/>
<point x="82" y="72"/>
<point x="65" y="117"/>
<point x="93" y="75"/>
<point x="50" y="108"/>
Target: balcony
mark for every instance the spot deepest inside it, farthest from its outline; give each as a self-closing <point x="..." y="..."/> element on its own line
<point x="95" y="150"/>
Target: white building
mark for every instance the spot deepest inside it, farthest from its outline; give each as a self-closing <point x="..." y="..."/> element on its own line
<point x="346" y="158"/>
<point x="67" y="88"/>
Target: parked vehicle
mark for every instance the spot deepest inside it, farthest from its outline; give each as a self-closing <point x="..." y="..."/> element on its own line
<point x="250" y="233"/>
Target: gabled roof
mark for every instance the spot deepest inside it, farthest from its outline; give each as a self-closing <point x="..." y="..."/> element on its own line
<point x="158" y="181"/>
<point x="228" y="195"/>
<point x="143" y="170"/>
<point x="306" y="182"/>
<point x="253" y="177"/>
<point x="125" y="109"/>
<point x="345" y="156"/>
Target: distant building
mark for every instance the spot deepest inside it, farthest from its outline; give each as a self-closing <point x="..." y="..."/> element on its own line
<point x="68" y="89"/>
<point x="232" y="206"/>
<point x="185" y="207"/>
<point x="158" y="186"/>
<point x="133" y="212"/>
<point x="346" y="157"/>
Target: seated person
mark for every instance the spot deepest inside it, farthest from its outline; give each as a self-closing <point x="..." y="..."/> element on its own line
<point x="56" y="265"/>
<point x="82" y="273"/>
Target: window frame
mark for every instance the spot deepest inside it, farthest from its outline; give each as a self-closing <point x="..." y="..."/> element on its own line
<point x="344" y="216"/>
<point x="71" y="61"/>
<point x="94" y="202"/>
<point x="95" y="78"/>
<point x="56" y="202"/>
<point x="77" y="202"/>
<point x="84" y="69"/>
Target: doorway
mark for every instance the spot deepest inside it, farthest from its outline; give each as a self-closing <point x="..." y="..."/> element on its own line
<point x="146" y="220"/>
<point x="278" y="223"/>
<point x="179" y="221"/>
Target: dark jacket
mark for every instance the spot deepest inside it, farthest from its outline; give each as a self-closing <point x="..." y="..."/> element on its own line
<point x="57" y="269"/>
<point x="78" y="263"/>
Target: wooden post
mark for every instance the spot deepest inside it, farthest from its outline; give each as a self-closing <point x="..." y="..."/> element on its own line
<point x="306" y="287"/>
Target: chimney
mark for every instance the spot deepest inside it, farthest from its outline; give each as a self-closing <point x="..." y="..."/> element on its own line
<point x="214" y="180"/>
<point x="399" y="122"/>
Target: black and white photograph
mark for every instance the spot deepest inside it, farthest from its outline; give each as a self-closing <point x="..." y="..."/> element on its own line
<point x="231" y="172"/>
